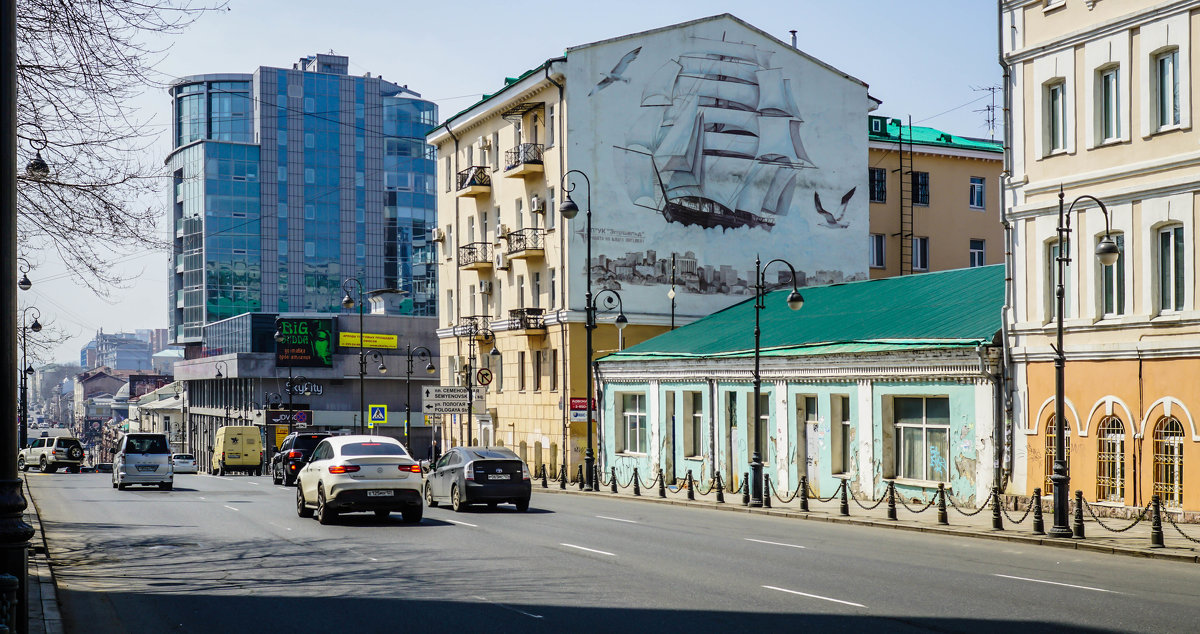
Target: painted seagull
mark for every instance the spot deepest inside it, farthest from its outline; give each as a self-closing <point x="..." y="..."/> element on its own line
<point x="614" y="75"/>
<point x="831" y="221"/>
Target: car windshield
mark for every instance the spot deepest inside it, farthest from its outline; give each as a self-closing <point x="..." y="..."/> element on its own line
<point x="492" y="453"/>
<point x="373" y="448"/>
<point x="146" y="444"/>
<point x="307" y="441"/>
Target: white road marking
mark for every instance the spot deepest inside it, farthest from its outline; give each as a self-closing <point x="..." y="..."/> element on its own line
<point x="461" y="523"/>
<point x="254" y="483"/>
<point x="1055" y="583"/>
<point x="203" y="498"/>
<point x="815" y="596"/>
<point x="763" y="541"/>
<point x="616" y="519"/>
<point x="279" y="526"/>
<point x="229" y="507"/>
<point x="598" y="552"/>
<point x="509" y="607"/>
<point x="362" y="555"/>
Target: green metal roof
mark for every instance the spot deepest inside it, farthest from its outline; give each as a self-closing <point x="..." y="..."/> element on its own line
<point x="947" y="309"/>
<point x="932" y="136"/>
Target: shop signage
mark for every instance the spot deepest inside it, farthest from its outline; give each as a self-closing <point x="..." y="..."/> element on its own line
<point x="307" y="343"/>
<point x="373" y="340"/>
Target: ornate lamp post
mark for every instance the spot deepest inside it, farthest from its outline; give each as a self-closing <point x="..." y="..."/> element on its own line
<point x="1107" y="252"/>
<point x="487" y="336"/>
<point x="794" y="301"/>
<point x="422" y="353"/>
<point x="27" y="370"/>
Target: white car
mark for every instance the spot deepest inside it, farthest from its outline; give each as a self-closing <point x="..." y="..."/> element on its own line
<point x="184" y="463"/>
<point x="360" y="473"/>
<point x="143" y="459"/>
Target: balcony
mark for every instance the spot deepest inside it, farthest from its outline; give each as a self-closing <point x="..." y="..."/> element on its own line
<point x="475" y="256"/>
<point x="474" y="181"/>
<point x="528" y="321"/>
<point x="472" y="325"/>
<point x="524" y="159"/>
<point x="525" y="244"/>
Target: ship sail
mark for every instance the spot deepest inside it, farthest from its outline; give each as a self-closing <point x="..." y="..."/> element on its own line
<point x="647" y="131"/>
<point x="725" y="94"/>
<point x="719" y="69"/>
<point x="661" y="85"/>
<point x="779" y="196"/>
<point x="730" y="121"/>
<point x="726" y="179"/>
<point x="758" y="182"/>
<point x="718" y="49"/>
<point x="775" y="100"/>
<point x="681" y="147"/>
<point x="642" y="191"/>
<point x="779" y="142"/>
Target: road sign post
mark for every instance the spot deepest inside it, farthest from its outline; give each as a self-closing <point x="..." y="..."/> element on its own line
<point x="377" y="415"/>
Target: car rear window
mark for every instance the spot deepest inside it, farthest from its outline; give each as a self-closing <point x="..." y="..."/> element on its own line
<point x="184" y="456"/>
<point x="146" y="444"/>
<point x="307" y="441"/>
<point x="68" y="444"/>
<point x="492" y="454"/>
<point x="373" y="449"/>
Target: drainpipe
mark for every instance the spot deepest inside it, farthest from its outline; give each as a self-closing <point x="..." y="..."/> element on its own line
<point x="998" y="409"/>
<point x="454" y="259"/>
<point x="1008" y="389"/>
<point x="560" y="132"/>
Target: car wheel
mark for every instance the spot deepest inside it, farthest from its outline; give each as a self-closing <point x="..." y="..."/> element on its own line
<point x="166" y="486"/>
<point x="456" y="501"/>
<point x="301" y="506"/>
<point x="114" y="483"/>
<point x="522" y="505"/>
<point x="429" y="496"/>
<point x="258" y="472"/>
<point x="276" y="477"/>
<point x="289" y="482"/>
<point x="121" y="486"/>
<point x="21" y="464"/>
<point x="383" y="514"/>
<point x="325" y="515"/>
<point x="42" y="464"/>
<point x="412" y="514"/>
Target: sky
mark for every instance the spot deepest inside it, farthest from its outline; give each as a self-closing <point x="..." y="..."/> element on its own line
<point x="924" y="58"/>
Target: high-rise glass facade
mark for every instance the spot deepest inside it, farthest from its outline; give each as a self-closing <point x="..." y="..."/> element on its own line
<point x="287" y="182"/>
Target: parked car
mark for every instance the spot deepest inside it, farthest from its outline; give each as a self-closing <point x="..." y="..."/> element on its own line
<point x="50" y="453"/>
<point x="293" y="455"/>
<point x="479" y="475"/>
<point x="184" y="463"/>
<point x="104" y="467"/>
<point x="237" y="448"/>
<point x="143" y="459"/>
<point x="359" y="473"/>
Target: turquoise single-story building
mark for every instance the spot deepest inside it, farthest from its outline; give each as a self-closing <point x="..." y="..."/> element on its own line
<point x="891" y="379"/>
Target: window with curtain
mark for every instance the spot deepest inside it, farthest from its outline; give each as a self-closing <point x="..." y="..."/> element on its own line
<point x="923" y="436"/>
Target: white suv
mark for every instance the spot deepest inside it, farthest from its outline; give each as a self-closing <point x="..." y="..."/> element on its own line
<point x="50" y="453"/>
<point x="143" y="459"/>
<point x="360" y="473"/>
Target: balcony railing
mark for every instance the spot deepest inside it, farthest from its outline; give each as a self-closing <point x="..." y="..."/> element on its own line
<point x="474" y="178"/>
<point x="471" y="325"/>
<point x="528" y="318"/>
<point x="524" y="158"/>
<point x="526" y="242"/>
<point x="475" y="254"/>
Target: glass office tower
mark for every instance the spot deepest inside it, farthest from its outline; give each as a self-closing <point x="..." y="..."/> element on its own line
<point x="288" y="181"/>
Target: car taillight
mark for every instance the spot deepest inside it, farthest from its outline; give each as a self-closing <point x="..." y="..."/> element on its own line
<point x="411" y="468"/>
<point x="294" y="454"/>
<point x="222" y="455"/>
<point x="349" y="468"/>
<point x="524" y="472"/>
<point x="469" y="472"/>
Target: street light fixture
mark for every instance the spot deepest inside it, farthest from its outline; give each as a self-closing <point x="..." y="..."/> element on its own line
<point x="27" y="372"/>
<point x="219" y="365"/>
<point x="422" y="353"/>
<point x="24" y="283"/>
<point x="1107" y="252"/>
<point x="794" y="301"/>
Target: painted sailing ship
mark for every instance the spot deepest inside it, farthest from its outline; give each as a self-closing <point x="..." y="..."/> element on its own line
<point x="718" y="141"/>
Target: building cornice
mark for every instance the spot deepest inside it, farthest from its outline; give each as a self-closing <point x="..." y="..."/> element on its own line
<point x="1094" y="32"/>
<point x="490" y="108"/>
<point x="936" y="150"/>
<point x="1185" y="184"/>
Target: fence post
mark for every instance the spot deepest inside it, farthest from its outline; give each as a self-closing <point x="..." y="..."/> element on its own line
<point x="1156" y="529"/>
<point x="1039" y="524"/>
<point x="766" y="490"/>
<point x="690" y="486"/>
<point x="662" y="485"/>
<point x="545" y="484"/>
<point x="943" y="518"/>
<point x="804" y="493"/>
<point x="637" y="485"/>
<point x="746" y="489"/>
<point x="891" y="497"/>
<point x="720" y="487"/>
<point x="1078" y="524"/>
<point x="562" y="477"/>
<point x="614" y="479"/>
<point x="845" y="506"/>
<point x="580" y="477"/>
<point x="997" y="521"/>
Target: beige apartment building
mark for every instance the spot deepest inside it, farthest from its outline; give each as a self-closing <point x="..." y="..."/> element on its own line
<point x="1101" y="96"/>
<point x="934" y="199"/>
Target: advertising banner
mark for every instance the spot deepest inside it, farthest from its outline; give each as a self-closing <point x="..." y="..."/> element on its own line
<point x="373" y="340"/>
<point x="307" y="343"/>
<point x="142" y="384"/>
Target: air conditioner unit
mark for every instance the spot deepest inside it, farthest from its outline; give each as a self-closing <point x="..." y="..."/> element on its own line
<point x="485" y="143"/>
<point x="485" y="287"/>
<point x="501" y="262"/>
<point x="537" y="205"/>
<point x="502" y="232"/>
<point x="439" y="235"/>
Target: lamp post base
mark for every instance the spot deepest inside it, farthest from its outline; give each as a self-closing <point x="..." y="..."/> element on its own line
<point x="1062" y="532"/>
<point x="589" y="472"/>
<point x="756" y="484"/>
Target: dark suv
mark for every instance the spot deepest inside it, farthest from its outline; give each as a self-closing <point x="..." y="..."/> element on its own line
<point x="293" y="454"/>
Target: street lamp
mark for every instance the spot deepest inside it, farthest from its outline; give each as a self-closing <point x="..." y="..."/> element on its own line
<point x="486" y="335"/>
<point x="569" y="210"/>
<point x="794" y="302"/>
<point x="27" y="372"/>
<point x="24" y="283"/>
<point x="422" y="353"/>
<point x="348" y="303"/>
<point x="218" y="365"/>
<point x="1107" y="252"/>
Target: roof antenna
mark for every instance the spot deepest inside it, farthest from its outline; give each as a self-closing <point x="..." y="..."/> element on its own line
<point x="793" y="32"/>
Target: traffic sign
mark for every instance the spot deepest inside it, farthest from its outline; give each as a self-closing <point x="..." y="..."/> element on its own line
<point x="484" y="376"/>
<point x="453" y="392"/>
<point x="377" y="414"/>
<point x="445" y="407"/>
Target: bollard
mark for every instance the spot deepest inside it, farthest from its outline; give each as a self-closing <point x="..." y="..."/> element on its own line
<point x="746" y="489"/>
<point x="594" y="485"/>
<point x="614" y="480"/>
<point x="943" y="518"/>
<point x="1156" y="529"/>
<point x="720" y="488"/>
<point x="562" y="477"/>
<point x="1078" y="524"/>
<point x="637" y="485"/>
<point x="662" y="485"/>
<point x="997" y="521"/>
<point x="891" y="497"/>
<point x="581" y="477"/>
<point x="845" y="506"/>
<point x="545" y="484"/>
<point x="766" y="490"/>
<point x="1039" y="524"/>
<point x="804" y="493"/>
<point x="690" y="489"/>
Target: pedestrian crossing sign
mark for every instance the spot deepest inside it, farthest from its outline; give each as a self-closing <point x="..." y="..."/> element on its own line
<point x="377" y="416"/>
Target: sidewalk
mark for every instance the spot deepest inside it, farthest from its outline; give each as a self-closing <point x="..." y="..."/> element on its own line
<point x="44" y="616"/>
<point x="1133" y="542"/>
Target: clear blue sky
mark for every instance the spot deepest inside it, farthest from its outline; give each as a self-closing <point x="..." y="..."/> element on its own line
<point x="924" y="59"/>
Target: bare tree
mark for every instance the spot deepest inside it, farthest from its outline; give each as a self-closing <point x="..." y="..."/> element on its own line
<point x="78" y="66"/>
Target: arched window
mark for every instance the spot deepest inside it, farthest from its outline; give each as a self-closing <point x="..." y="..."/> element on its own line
<point x="523" y="451"/>
<point x="537" y="455"/>
<point x="1052" y="455"/>
<point x="554" y="457"/>
<point x="1168" y="461"/>
<point x="1110" y="467"/>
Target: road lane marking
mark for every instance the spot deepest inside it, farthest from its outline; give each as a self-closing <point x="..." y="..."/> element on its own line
<point x="816" y="596"/>
<point x="229" y="507"/>
<point x="203" y="498"/>
<point x="616" y="519"/>
<point x="1055" y="583"/>
<point x="763" y="541"/>
<point x="254" y="483"/>
<point x="362" y="555"/>
<point x="279" y="526"/>
<point x="598" y="552"/>
<point x="461" y="523"/>
<point x="508" y="607"/>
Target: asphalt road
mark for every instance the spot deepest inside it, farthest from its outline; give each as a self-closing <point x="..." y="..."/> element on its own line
<point x="230" y="555"/>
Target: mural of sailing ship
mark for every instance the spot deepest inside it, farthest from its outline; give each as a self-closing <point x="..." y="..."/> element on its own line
<point x="717" y="143"/>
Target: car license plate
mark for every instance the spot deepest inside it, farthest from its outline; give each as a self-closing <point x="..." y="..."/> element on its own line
<point x="147" y="467"/>
<point x="380" y="493"/>
<point x="498" y="476"/>
<point x="235" y="455"/>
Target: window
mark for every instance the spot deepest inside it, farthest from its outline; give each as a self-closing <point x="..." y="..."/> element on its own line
<point x="553" y="370"/>
<point x="693" y="424"/>
<point x="1110" y="468"/>
<point x="537" y="370"/>
<point x="553" y="289"/>
<point x="977" y="201"/>
<point x="1113" y="280"/>
<point x="1167" y="88"/>
<point x="920" y="188"/>
<point x="550" y="125"/>
<point x="446" y="171"/>
<point x="1056" y="134"/>
<point x="1052" y="453"/>
<point x="977" y="252"/>
<point x="877" y="177"/>
<point x="521" y="370"/>
<point x="923" y="435"/>
<point x="1168" y="461"/>
<point x="843" y="439"/>
<point x="520" y="291"/>
<point x="551" y="209"/>
<point x="536" y="289"/>
<point x="1170" y="268"/>
<point x="877" y="251"/>
<point x="1109" y="105"/>
<point x="1052" y="253"/>
<point x="633" y="423"/>
<point x="920" y="254"/>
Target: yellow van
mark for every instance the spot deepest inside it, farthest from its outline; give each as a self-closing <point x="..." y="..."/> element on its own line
<point x="237" y="448"/>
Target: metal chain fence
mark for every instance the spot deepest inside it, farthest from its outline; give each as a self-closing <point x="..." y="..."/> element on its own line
<point x="977" y="511"/>
<point x="1028" y="510"/>
<point x="931" y="502"/>
<point x="1171" y="520"/>
<point x="1141" y="516"/>
<point x="783" y="500"/>
<point x="836" y="492"/>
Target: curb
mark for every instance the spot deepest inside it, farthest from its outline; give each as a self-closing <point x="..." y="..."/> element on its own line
<point x="46" y="616"/>
<point x="736" y="507"/>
